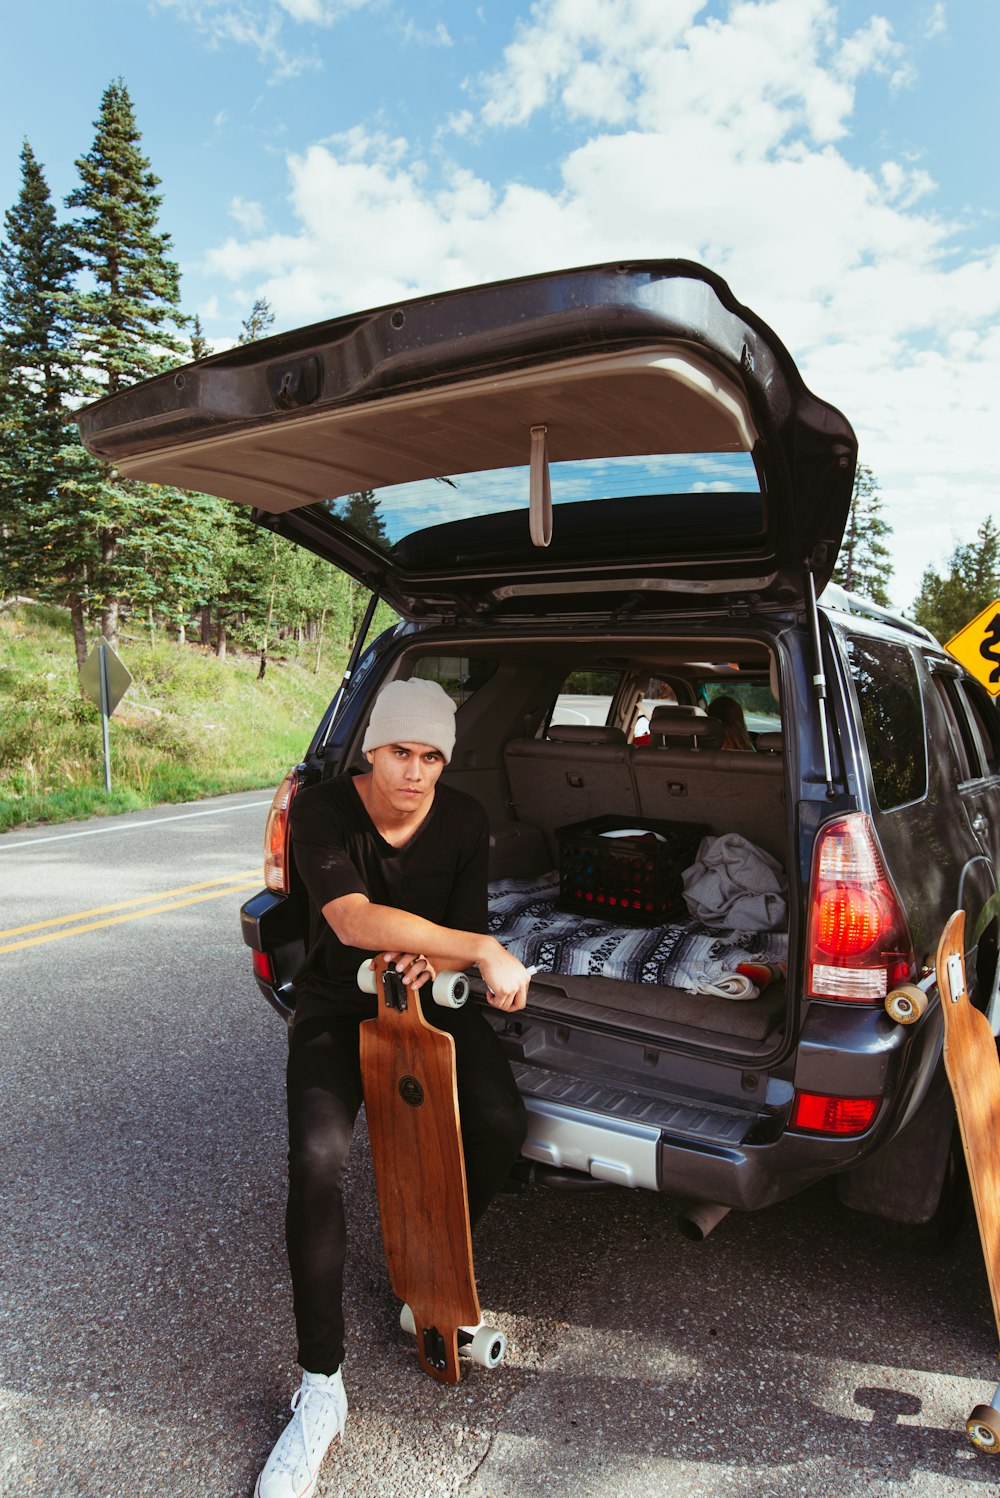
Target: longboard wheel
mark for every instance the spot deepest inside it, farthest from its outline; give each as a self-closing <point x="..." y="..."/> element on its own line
<point x="488" y="1347"/>
<point x="983" y="1428"/>
<point x="906" y="1004"/>
<point x="450" y="990"/>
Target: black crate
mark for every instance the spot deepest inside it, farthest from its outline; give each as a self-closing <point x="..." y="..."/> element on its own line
<point x="634" y="879"/>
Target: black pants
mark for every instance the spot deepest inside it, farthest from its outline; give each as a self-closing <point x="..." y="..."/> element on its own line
<point x="324" y="1095"/>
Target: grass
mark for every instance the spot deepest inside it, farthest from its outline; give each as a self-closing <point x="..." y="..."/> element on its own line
<point x="189" y="726"/>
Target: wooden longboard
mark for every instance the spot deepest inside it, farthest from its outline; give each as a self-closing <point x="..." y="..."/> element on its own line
<point x="970" y="1060"/>
<point x="411" y="1100"/>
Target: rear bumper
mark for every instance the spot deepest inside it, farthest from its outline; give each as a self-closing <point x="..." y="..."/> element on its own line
<point x="626" y="1153"/>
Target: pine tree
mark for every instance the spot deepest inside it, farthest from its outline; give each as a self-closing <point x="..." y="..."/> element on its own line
<point x="256" y="325"/>
<point x="361" y="512"/>
<point x="200" y="346"/>
<point x="947" y="604"/>
<point x="36" y="373"/>
<point x="122" y="320"/>
<point x="863" y="565"/>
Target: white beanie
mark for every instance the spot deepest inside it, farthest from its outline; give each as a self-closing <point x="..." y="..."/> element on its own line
<point x="412" y="712"/>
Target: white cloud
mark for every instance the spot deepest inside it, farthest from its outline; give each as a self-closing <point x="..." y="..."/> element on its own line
<point x="722" y="140"/>
<point x="427" y="36"/>
<point x="260" y="25"/>
<point x="937" y="21"/>
<point x="250" y="216"/>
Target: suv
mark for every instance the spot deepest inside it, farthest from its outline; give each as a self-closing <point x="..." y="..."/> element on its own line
<point x="607" y="497"/>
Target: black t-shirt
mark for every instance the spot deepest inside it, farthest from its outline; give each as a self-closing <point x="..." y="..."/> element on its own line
<point x="439" y="874"/>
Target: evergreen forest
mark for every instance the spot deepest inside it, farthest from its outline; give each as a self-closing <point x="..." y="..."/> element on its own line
<point x="90" y="303"/>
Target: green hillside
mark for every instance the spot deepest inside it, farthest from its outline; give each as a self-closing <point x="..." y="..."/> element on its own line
<point x="190" y="725"/>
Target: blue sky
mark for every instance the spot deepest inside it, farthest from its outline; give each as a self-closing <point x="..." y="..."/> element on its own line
<point x="836" y="162"/>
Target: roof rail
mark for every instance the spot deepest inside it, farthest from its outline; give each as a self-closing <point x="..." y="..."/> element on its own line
<point x="840" y="601"/>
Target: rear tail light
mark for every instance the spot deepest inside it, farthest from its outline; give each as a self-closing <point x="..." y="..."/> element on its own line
<point x="277" y="876"/>
<point x="263" y="967"/>
<point x="858" y="946"/>
<point x="817" y="1113"/>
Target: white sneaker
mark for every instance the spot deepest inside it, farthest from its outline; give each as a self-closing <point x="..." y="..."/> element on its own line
<point x="320" y="1410"/>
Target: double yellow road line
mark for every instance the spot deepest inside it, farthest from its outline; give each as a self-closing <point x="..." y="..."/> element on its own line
<point x="158" y="904"/>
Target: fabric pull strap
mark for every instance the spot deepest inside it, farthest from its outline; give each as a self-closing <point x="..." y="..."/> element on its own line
<point x="539" y="490"/>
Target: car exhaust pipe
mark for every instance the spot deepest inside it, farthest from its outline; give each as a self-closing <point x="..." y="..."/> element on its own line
<point x="697" y="1219"/>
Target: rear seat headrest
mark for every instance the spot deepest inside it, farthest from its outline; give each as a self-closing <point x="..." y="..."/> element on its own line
<point x="769" y="743"/>
<point x="678" y="710"/>
<point x="666" y="726"/>
<point x="584" y="733"/>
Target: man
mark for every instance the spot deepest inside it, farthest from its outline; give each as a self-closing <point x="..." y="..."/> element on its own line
<point x="394" y="862"/>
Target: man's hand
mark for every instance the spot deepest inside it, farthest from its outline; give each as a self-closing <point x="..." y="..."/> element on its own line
<point x="506" y="979"/>
<point x="413" y="967"/>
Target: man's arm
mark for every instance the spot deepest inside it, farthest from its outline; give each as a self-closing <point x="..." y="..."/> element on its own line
<point x="382" y="928"/>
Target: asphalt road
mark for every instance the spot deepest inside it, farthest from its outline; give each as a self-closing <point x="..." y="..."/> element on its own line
<point x="145" y="1333"/>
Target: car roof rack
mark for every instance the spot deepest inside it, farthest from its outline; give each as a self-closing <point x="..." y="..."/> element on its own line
<point x="840" y="601"/>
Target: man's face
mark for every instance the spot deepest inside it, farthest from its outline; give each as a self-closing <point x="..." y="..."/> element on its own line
<point x="404" y="775"/>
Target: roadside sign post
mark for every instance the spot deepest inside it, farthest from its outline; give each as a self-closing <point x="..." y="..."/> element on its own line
<point x="105" y="680"/>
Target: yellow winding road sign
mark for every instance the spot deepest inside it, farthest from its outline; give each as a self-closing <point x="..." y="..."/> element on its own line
<point x="977" y="648"/>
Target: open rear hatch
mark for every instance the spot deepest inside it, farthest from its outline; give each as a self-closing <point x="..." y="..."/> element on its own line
<point x="611" y="434"/>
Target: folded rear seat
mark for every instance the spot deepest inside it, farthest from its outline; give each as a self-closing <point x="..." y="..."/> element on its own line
<point x="728" y="790"/>
<point x="578" y="772"/>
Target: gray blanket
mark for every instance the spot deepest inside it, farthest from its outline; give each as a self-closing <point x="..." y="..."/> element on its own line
<point x="733" y="882"/>
<point x="525" y="918"/>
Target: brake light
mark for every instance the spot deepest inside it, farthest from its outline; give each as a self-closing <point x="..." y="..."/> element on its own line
<point x="276" y="871"/>
<point x="818" y="1113"/>
<point x="262" y="967"/>
<point x="858" y="945"/>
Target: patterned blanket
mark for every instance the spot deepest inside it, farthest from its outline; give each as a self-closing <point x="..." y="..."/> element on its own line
<point x="525" y="918"/>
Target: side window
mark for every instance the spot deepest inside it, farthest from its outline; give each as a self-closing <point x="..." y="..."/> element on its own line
<point x="460" y="676"/>
<point x="586" y="697"/>
<point x="959" y="732"/>
<point x="892" y="716"/>
<point x="986" y="723"/>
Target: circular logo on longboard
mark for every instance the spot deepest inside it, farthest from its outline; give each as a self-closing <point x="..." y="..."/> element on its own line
<point x="411" y="1091"/>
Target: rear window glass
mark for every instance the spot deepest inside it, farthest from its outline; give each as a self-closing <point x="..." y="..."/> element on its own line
<point x="459" y="509"/>
<point x="461" y="676"/>
<point x="586" y="697"/>
<point x="885" y="679"/>
<point x="761" y="714"/>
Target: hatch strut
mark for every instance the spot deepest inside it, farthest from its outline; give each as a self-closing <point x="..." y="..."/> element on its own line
<point x="359" y="645"/>
<point x="819" y="679"/>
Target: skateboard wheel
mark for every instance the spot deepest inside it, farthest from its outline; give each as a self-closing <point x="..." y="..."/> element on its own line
<point x="366" y="978"/>
<point x="488" y="1347"/>
<point x="450" y="990"/>
<point x="906" y="1004"/>
<point x="983" y="1428"/>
